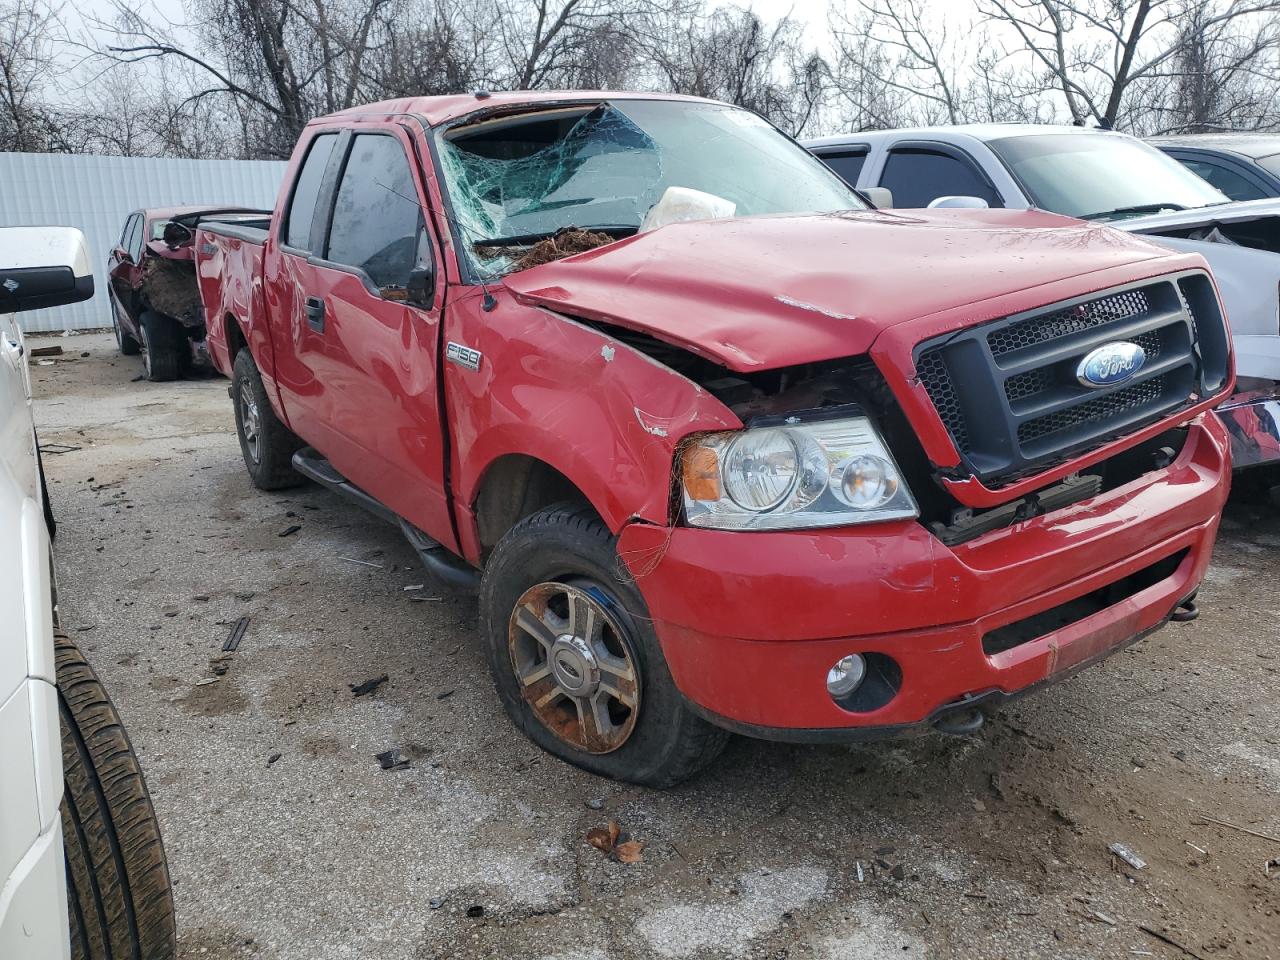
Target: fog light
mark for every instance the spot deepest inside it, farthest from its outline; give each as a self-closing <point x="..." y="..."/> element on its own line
<point x="846" y="675"/>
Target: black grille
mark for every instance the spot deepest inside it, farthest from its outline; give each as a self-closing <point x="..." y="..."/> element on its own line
<point x="1008" y="392"/>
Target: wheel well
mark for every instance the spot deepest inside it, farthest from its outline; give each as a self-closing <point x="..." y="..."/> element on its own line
<point x="514" y="487"/>
<point x="235" y="337"/>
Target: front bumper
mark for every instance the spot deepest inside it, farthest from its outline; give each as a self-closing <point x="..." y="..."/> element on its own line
<point x="1252" y="419"/>
<point x="751" y="622"/>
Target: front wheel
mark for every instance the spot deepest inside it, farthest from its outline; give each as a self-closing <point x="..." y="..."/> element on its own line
<point x="118" y="892"/>
<point x="575" y="659"/>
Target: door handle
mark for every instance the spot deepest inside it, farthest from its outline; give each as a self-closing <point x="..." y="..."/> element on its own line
<point x="315" y="314"/>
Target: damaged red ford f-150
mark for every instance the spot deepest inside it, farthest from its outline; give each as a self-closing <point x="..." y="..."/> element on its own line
<point x="721" y="447"/>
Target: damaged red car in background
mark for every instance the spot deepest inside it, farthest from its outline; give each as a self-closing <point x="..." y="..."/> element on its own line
<point x="722" y="448"/>
<point x="155" y="304"/>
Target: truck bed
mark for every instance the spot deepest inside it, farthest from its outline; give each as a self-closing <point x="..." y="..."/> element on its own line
<point x="229" y="270"/>
<point x="249" y="229"/>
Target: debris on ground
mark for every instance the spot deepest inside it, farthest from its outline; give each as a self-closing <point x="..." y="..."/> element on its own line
<point x="436" y="903"/>
<point x="54" y="351"/>
<point x="1165" y="938"/>
<point x="52" y="448"/>
<point x="220" y="665"/>
<point x="366" y="563"/>
<point x="474" y="911"/>
<point x="1267" y="867"/>
<point x="363" y="689"/>
<point x="290" y="530"/>
<point x="414" y="586"/>
<point x="444" y="695"/>
<point x="272" y="759"/>
<point x="232" y="642"/>
<point x="595" y="803"/>
<point x="1232" y="826"/>
<point x="617" y="844"/>
<point x="206" y="681"/>
<point x="1128" y="856"/>
<point x="391" y="759"/>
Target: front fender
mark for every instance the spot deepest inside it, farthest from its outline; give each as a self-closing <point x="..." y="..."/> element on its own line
<point x="603" y="414"/>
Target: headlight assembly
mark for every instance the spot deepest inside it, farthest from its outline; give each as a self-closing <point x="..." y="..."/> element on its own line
<point x="804" y="472"/>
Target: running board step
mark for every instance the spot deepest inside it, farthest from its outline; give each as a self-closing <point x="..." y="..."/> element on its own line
<point x="451" y="571"/>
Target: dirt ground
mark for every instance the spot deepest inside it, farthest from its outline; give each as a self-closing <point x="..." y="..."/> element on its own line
<point x="286" y="839"/>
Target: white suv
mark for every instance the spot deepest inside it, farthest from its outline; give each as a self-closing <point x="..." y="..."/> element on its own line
<point x="82" y="868"/>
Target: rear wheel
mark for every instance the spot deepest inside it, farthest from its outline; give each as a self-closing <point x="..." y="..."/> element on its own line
<point x="119" y="897"/>
<point x="575" y="659"/>
<point x="266" y="444"/>
<point x="163" y="342"/>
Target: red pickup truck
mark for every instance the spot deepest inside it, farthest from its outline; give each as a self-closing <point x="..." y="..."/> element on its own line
<point x="721" y="447"/>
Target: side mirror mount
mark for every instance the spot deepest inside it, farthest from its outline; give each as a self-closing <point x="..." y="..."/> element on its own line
<point x="960" y="203"/>
<point x="421" y="288"/>
<point x="176" y="235"/>
<point x="881" y="198"/>
<point x="43" y="267"/>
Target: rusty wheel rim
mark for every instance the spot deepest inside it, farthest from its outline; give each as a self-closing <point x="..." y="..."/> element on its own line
<point x="573" y="661"/>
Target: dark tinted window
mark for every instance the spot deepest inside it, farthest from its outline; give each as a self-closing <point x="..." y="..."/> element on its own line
<point x="1228" y="181"/>
<point x="848" y="166"/>
<point x="377" y="215"/>
<point x="918" y="177"/>
<point x="135" y="240"/>
<point x="302" y="207"/>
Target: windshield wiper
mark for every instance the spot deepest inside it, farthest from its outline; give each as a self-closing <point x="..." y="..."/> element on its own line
<point x="1139" y="208"/>
<point x="525" y="239"/>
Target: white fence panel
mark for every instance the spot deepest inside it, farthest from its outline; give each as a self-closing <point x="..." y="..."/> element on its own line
<point x="97" y="193"/>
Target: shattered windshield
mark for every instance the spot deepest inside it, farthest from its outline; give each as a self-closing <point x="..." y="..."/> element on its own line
<point x="581" y="176"/>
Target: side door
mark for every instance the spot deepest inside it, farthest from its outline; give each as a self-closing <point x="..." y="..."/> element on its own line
<point x="289" y="281"/>
<point x="919" y="172"/>
<point x="119" y="264"/>
<point x="373" y="341"/>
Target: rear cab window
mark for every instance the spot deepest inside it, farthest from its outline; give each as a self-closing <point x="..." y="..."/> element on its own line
<point x="296" y="232"/>
<point x="917" y="176"/>
<point x="1233" y="184"/>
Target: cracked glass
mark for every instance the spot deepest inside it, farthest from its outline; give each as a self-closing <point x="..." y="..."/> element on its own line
<point x="516" y="180"/>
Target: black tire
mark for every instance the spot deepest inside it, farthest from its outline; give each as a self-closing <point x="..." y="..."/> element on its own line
<point x="119" y="897"/>
<point x="569" y="544"/>
<point x="163" y="342"/>
<point x="128" y="346"/>
<point x="266" y="444"/>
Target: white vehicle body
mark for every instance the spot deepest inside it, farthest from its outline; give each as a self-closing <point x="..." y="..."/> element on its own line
<point x="1247" y="270"/>
<point x="33" y="904"/>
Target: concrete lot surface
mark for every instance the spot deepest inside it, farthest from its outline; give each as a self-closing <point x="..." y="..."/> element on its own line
<point x="287" y="840"/>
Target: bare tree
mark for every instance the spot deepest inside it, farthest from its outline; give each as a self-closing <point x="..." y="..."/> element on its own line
<point x="1104" y="56"/>
<point x="27" y="63"/>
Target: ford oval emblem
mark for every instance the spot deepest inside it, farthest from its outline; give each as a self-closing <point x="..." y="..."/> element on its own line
<point x="1110" y="364"/>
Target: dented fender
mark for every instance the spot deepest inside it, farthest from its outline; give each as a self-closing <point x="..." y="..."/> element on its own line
<point x="603" y="414"/>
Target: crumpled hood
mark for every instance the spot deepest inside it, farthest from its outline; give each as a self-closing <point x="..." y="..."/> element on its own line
<point x="763" y="292"/>
<point x="1240" y="211"/>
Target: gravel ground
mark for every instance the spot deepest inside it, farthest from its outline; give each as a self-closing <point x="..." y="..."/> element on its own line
<point x="286" y="839"/>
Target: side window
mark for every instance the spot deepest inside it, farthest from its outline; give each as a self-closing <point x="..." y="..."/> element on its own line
<point x="129" y="223"/>
<point x="1228" y="181"/>
<point x="302" y="206"/>
<point x="918" y="177"/>
<point x="846" y="164"/>
<point x="135" y="240"/>
<point x="377" y="220"/>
